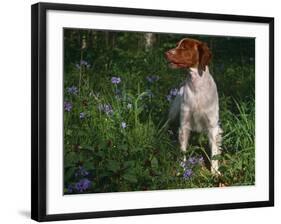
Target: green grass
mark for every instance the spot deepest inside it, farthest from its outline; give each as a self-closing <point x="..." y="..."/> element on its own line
<point x="145" y="154"/>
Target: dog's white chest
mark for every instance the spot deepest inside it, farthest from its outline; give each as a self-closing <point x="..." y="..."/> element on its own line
<point x="201" y="104"/>
<point x="198" y="118"/>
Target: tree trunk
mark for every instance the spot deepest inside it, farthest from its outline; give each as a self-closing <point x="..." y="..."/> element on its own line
<point x="150" y="39"/>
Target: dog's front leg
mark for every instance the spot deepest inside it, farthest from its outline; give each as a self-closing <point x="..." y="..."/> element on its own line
<point x="214" y="135"/>
<point x="184" y="131"/>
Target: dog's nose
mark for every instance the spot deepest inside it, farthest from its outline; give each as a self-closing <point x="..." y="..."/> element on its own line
<point x="169" y="53"/>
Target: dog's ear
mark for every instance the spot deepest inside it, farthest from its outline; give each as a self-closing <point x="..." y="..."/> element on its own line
<point x="205" y="56"/>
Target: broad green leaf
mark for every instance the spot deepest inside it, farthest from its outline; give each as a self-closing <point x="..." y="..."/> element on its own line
<point x="113" y="166"/>
<point x="71" y="158"/>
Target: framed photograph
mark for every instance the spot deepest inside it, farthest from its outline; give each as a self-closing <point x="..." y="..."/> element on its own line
<point x="139" y="111"/>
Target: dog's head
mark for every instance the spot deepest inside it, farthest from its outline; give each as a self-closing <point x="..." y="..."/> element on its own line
<point x="189" y="53"/>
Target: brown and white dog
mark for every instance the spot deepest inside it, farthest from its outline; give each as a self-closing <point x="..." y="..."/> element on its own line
<point x="197" y="101"/>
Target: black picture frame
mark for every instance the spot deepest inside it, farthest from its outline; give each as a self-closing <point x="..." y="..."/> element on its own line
<point x="39" y="114"/>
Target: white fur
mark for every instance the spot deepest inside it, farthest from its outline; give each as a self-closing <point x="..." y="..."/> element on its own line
<point x="198" y="108"/>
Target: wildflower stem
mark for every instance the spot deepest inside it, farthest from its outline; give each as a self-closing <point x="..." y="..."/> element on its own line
<point x="206" y="154"/>
<point x="80" y="72"/>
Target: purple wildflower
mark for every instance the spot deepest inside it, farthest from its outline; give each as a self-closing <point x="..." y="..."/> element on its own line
<point x="106" y="108"/>
<point x="82" y="63"/>
<point x="169" y="98"/>
<point x="192" y="160"/>
<point x="152" y="78"/>
<point x="183" y="164"/>
<point x="67" y="106"/>
<point x="82" y="185"/>
<point x="115" y="80"/>
<point x="187" y="174"/>
<point x="69" y="188"/>
<point x="81" y="171"/>
<point x="72" y="90"/>
<point x="85" y="63"/>
<point x="174" y="92"/>
<point x="123" y="124"/>
<point x="200" y="160"/>
<point x="82" y="115"/>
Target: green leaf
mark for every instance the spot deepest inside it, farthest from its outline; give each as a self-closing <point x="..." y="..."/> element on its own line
<point x="130" y="177"/>
<point x="154" y="163"/>
<point x="88" y="164"/>
<point x="136" y="149"/>
<point x="217" y="157"/>
<point x="128" y="164"/>
<point x="104" y="174"/>
<point x="69" y="173"/>
<point x="87" y="147"/>
<point x="71" y="158"/>
<point x="100" y="154"/>
<point x="68" y="132"/>
<point x="113" y="166"/>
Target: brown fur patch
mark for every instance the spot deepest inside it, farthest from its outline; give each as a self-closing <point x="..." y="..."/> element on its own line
<point x="189" y="53"/>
